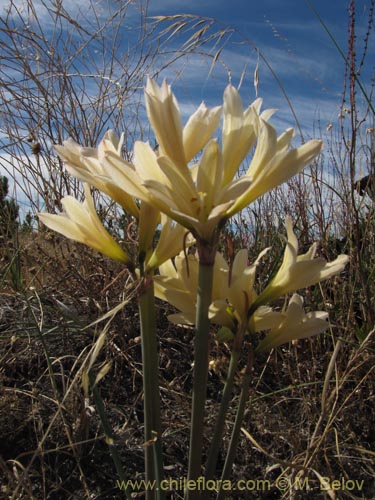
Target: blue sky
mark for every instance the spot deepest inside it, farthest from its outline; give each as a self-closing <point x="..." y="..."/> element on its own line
<point x="286" y="32"/>
<point x="280" y="36"/>
<point x="293" y="42"/>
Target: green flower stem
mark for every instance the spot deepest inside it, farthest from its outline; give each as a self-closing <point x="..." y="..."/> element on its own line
<point x="220" y="422"/>
<point x="231" y="453"/>
<point x="152" y="426"/>
<point x="225" y="401"/>
<point x="201" y="352"/>
<point x="109" y="436"/>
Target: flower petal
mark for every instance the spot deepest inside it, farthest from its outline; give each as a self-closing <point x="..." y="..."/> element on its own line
<point x="238" y="132"/>
<point x="294" y="324"/>
<point x="299" y="271"/>
<point x="210" y="173"/>
<point x="81" y="223"/>
<point x="164" y="115"/>
<point x="199" y="129"/>
<point x="172" y="239"/>
<point x="268" y="171"/>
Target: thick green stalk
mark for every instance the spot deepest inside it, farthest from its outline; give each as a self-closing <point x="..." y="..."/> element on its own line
<point x="231" y="453"/>
<point x="201" y="352"/>
<point x="220" y="422"/>
<point x="225" y="401"/>
<point x="152" y="427"/>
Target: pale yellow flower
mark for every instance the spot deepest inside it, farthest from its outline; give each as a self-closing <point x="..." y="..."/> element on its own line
<point x="196" y="196"/>
<point x="177" y="284"/>
<point x="294" y="324"/>
<point x="274" y="162"/>
<point x="240" y="130"/>
<point x="200" y="193"/>
<point x="234" y="289"/>
<point x="178" y="143"/>
<point x="85" y="164"/>
<point x="81" y="223"/>
<point x="232" y="299"/>
<point x="88" y="165"/>
<point x="232" y="293"/>
<point x="299" y="271"/>
<point x="201" y="196"/>
<point x="171" y="239"/>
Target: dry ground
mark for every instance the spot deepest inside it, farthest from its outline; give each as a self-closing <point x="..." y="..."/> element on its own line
<point x="52" y="444"/>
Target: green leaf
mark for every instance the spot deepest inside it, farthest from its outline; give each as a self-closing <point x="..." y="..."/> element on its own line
<point x="224" y="334"/>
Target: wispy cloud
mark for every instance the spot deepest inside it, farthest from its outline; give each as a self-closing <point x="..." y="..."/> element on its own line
<point x="307" y="66"/>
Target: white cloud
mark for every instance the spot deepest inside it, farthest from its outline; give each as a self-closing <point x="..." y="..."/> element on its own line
<point x="306" y="63"/>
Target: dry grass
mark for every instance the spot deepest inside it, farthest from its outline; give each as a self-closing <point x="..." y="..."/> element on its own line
<point x="311" y="407"/>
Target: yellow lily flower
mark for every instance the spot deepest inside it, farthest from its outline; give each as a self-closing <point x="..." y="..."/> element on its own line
<point x="200" y="196"/>
<point x="89" y="165"/>
<point x="81" y="223"/>
<point x="274" y="163"/>
<point x="179" y="144"/>
<point x="196" y="196"/>
<point x="172" y="238"/>
<point x="294" y="324"/>
<point x="299" y="271"/>
<point x="234" y="297"/>
<point x="240" y="130"/>
<point x="177" y="284"/>
<point x="235" y="289"/>
<point x="232" y="292"/>
<point x="86" y="165"/>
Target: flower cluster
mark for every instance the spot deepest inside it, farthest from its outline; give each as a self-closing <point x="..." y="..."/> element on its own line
<point x="235" y="301"/>
<point x="81" y="223"/>
<point x="192" y="179"/>
<point x="197" y="193"/>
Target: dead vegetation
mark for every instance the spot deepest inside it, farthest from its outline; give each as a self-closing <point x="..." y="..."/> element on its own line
<point x="311" y="407"/>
